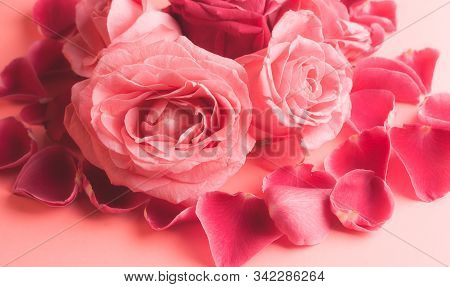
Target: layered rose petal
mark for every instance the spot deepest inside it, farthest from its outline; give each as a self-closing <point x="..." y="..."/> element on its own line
<point x="55" y="17"/>
<point x="161" y="214"/>
<point x="370" y="150"/>
<point x="362" y="201"/>
<point x="434" y="111"/>
<point x="425" y="153"/>
<point x="371" y="108"/>
<point x="51" y="176"/>
<point x="238" y="226"/>
<point x="423" y="62"/>
<point x="107" y="197"/>
<point x="16" y="143"/>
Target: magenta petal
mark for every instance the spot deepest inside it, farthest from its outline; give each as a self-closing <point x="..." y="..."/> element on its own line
<point x="423" y="62"/>
<point x="370" y="150"/>
<point x="107" y="197"/>
<point x="371" y="108"/>
<point x="56" y="17"/>
<point x="425" y="153"/>
<point x="435" y="111"/>
<point x="362" y="201"/>
<point x="16" y="145"/>
<point x="34" y="114"/>
<point x="238" y="226"/>
<point x="51" y="176"/>
<point x="161" y="214"/>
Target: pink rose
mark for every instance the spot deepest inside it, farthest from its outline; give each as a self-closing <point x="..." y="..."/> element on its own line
<point x="101" y="23"/>
<point x="299" y="85"/>
<point x="230" y="28"/>
<point x="165" y="118"/>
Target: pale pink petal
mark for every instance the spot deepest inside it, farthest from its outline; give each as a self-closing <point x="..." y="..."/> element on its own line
<point x="435" y="111"/>
<point x="161" y="214"/>
<point x="362" y="201"/>
<point x="51" y="176"/>
<point x="55" y="17"/>
<point x="425" y="153"/>
<point x="238" y="226"/>
<point x="371" y="108"/>
<point x="16" y="144"/>
<point x="370" y="150"/>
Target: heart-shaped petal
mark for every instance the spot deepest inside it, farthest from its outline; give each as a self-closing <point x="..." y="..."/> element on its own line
<point x="435" y="111"/>
<point x="16" y="145"/>
<point x="370" y="150"/>
<point x="362" y="201"/>
<point x="51" y="176"/>
<point x="238" y="226"/>
<point x="161" y="214"/>
<point x="425" y="153"/>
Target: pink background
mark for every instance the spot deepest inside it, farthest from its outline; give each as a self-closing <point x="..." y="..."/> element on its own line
<point x="126" y="240"/>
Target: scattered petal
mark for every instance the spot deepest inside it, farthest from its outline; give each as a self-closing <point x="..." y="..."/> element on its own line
<point x="238" y="226"/>
<point x="370" y="150"/>
<point x="362" y="201"/>
<point x="51" y="176"/>
<point x="435" y="111"/>
<point x="55" y="17"/>
<point x="425" y="153"/>
<point x="161" y="214"/>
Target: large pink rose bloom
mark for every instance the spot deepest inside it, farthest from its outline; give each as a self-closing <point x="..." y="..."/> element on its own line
<point x="166" y="118"/>
<point x="299" y="85"/>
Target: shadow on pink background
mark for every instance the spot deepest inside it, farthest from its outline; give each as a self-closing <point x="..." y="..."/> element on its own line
<point x="32" y="234"/>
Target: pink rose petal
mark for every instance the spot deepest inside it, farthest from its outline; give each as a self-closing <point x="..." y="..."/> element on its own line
<point x="425" y="153"/>
<point x="56" y="17"/>
<point x="435" y="111"/>
<point x="371" y="108"/>
<point x="16" y="145"/>
<point x="161" y="214"/>
<point x="238" y="226"/>
<point x="370" y="150"/>
<point x="51" y="176"/>
<point x="107" y="197"/>
<point x="423" y="62"/>
<point x="362" y="201"/>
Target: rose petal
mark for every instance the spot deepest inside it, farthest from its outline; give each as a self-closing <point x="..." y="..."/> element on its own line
<point x="51" y="176"/>
<point x="238" y="226"/>
<point x="371" y="108"/>
<point x="16" y="145"/>
<point x="362" y="201"/>
<point x="435" y="111"/>
<point x="34" y="114"/>
<point x="423" y="62"/>
<point x="425" y="153"/>
<point x="55" y="17"/>
<point x="161" y="214"/>
<point x="107" y="197"/>
<point x="370" y="150"/>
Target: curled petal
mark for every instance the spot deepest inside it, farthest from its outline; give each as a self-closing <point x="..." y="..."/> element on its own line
<point x="56" y="17"/>
<point x="107" y="197"/>
<point x="362" y="201"/>
<point x="161" y="214"/>
<point x="371" y="108"/>
<point x="425" y="153"/>
<point x="51" y="176"/>
<point x="370" y="150"/>
<point x="238" y="226"/>
<point x="435" y="111"/>
<point x="16" y="145"/>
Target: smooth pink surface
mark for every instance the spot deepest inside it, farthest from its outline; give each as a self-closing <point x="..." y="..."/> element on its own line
<point x="126" y="240"/>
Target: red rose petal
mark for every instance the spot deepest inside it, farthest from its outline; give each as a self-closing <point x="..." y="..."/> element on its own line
<point x="34" y="114"/>
<point x="161" y="214"/>
<point x="362" y="201"/>
<point x="370" y="150"/>
<point x="425" y="153"/>
<point x="371" y="108"/>
<point x="56" y="17"/>
<point x="423" y="62"/>
<point x="435" y="111"/>
<point x="238" y="226"/>
<point x="51" y="176"/>
<point x="16" y="145"/>
<point x="107" y="197"/>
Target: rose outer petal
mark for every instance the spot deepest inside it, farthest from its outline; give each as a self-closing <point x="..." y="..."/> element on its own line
<point x="370" y="150"/>
<point x="161" y="214"/>
<point x="55" y="17"/>
<point x="425" y="153"/>
<point x="16" y="145"/>
<point x="362" y="201"/>
<point x="237" y="226"/>
<point x="435" y="111"/>
<point x="51" y="176"/>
